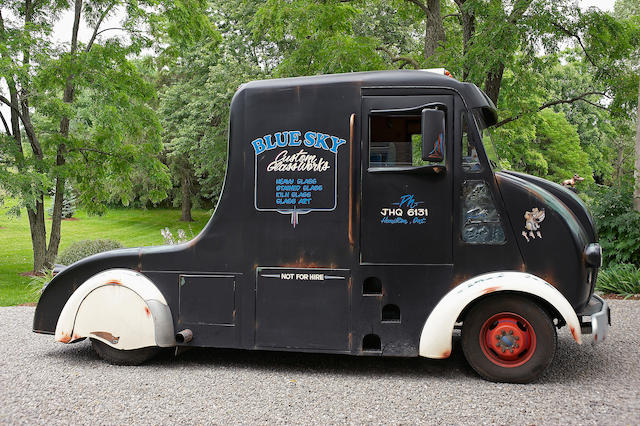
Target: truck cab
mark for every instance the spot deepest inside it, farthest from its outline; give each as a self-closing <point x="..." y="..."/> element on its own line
<point x="360" y="214"/>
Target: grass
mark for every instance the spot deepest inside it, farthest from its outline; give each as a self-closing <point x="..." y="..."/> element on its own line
<point x="131" y="227"/>
<point x="623" y="279"/>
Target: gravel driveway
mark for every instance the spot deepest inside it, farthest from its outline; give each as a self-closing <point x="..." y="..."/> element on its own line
<point x="42" y="381"/>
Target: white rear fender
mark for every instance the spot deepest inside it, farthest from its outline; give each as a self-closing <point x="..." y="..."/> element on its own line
<point x="435" y="340"/>
<point x="120" y="307"/>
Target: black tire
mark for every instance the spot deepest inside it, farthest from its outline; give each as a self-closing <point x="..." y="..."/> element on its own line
<point x="535" y="339"/>
<point x="123" y="357"/>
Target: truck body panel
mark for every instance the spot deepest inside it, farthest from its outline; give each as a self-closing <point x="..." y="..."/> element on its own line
<point x="332" y="231"/>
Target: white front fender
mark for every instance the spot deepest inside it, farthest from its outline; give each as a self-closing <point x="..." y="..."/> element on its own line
<point x="435" y="340"/>
<point x="121" y="307"/>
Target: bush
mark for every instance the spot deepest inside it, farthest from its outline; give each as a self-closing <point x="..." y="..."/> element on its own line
<point x="81" y="249"/>
<point x="38" y="282"/>
<point x="618" y="225"/>
<point x="621" y="279"/>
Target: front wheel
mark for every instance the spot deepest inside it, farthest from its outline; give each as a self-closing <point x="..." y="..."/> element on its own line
<point x="508" y="338"/>
<point x="123" y="357"/>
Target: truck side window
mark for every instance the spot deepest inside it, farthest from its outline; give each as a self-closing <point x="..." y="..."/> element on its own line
<point x="480" y="218"/>
<point x="395" y="141"/>
<point x="470" y="161"/>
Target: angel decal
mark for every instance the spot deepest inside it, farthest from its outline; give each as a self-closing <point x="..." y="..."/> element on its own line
<point x="532" y="223"/>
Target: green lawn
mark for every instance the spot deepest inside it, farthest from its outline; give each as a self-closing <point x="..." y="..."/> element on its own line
<point x="131" y="227"/>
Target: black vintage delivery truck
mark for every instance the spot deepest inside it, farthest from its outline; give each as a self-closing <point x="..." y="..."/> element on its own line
<point x="360" y="215"/>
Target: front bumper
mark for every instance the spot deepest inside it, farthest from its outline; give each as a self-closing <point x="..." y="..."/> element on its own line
<point x="595" y="318"/>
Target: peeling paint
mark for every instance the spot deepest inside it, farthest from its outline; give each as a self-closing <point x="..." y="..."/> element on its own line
<point x="490" y="289"/>
<point x="574" y="333"/>
<point x="65" y="338"/>
<point x="302" y="263"/>
<point x="106" y="336"/>
<point x="147" y="311"/>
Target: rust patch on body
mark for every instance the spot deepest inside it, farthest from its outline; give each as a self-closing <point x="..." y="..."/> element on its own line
<point x="574" y="333"/>
<point x="65" y="338"/>
<point x="147" y="311"/>
<point x="490" y="289"/>
<point x="458" y="279"/>
<point x="114" y="282"/>
<point x="106" y="336"/>
<point x="446" y="353"/>
<point x="352" y="120"/>
<point x="301" y="262"/>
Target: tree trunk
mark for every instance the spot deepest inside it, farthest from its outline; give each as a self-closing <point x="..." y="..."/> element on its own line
<point x="56" y="222"/>
<point x="38" y="235"/>
<point x="67" y="97"/>
<point x="636" y="172"/>
<point x="619" y="162"/>
<point x="468" y="21"/>
<point x="493" y="82"/>
<point x="185" y="187"/>
<point x="434" y="29"/>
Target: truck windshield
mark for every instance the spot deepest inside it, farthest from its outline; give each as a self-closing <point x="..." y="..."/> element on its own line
<point x="487" y="141"/>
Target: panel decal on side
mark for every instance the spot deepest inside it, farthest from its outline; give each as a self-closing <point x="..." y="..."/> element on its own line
<point x="296" y="173"/>
<point x="407" y="211"/>
<point x="533" y="219"/>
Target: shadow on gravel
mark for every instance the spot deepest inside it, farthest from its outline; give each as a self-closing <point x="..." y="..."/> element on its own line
<point x="310" y="363"/>
<point x="573" y="363"/>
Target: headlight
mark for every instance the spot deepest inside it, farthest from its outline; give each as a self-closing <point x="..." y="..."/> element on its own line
<point x="593" y="255"/>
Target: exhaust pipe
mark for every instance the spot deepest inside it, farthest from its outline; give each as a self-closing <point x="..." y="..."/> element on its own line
<point x="184" y="336"/>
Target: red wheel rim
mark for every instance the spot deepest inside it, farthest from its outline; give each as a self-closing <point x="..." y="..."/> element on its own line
<point x="507" y="339"/>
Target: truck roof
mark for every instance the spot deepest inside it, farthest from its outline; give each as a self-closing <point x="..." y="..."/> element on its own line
<point x="472" y="96"/>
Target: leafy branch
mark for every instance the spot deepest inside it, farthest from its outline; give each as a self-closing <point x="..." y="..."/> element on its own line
<point x="404" y="59"/>
<point x="581" y="97"/>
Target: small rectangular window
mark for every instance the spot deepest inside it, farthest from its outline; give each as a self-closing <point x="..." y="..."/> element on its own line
<point x="395" y="141"/>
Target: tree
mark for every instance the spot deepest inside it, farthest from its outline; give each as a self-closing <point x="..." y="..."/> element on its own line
<point x="118" y="135"/>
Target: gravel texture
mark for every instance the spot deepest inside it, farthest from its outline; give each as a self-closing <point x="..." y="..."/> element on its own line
<point x="42" y="381"/>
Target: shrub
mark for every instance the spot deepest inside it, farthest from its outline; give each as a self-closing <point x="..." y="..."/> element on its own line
<point x="38" y="282"/>
<point x="169" y="239"/>
<point x="618" y="225"/>
<point x="81" y="249"/>
<point x="621" y="279"/>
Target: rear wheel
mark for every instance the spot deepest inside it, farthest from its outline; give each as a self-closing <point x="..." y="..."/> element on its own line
<point x="508" y="338"/>
<point x="123" y="357"/>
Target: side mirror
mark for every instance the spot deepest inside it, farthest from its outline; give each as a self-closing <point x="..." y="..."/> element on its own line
<point x="433" y="135"/>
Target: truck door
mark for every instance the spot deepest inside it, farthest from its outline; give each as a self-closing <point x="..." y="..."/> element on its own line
<point x="406" y="203"/>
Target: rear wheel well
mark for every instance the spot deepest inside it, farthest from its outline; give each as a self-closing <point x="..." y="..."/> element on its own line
<point x="553" y="313"/>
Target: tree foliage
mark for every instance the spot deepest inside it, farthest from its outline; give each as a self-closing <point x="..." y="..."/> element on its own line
<point x="100" y="114"/>
<point x="80" y="110"/>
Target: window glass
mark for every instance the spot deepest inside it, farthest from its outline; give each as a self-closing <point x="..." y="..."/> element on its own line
<point x="396" y="141"/>
<point x="470" y="161"/>
<point x="489" y="143"/>
<point x="480" y="219"/>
